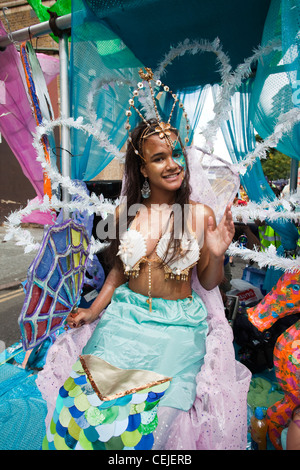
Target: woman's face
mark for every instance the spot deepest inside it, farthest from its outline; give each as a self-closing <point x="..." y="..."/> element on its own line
<point x="164" y="166"/>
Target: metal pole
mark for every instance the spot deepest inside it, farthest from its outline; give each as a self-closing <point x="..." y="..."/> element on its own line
<point x="62" y="22"/>
<point x="65" y="113"/>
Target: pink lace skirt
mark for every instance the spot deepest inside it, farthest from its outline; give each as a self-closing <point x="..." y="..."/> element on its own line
<point x="218" y="417"/>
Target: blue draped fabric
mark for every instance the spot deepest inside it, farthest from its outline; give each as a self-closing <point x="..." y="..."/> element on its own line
<point x="239" y="136"/>
<point x="276" y="90"/>
<point x="193" y="104"/>
<point x="99" y="55"/>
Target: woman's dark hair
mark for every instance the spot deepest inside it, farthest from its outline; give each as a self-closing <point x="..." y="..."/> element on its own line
<point x="133" y="183"/>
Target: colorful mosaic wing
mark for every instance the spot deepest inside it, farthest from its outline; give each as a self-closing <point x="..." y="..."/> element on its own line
<point x="282" y="300"/>
<point x="54" y="282"/>
<point x="126" y="421"/>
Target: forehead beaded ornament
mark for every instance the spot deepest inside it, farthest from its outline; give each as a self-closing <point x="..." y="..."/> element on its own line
<point x="163" y="129"/>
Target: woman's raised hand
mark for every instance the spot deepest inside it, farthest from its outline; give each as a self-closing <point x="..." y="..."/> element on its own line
<point x="219" y="238"/>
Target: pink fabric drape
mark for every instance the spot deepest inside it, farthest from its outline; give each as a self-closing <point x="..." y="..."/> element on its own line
<point x="218" y="417"/>
<point x="17" y="122"/>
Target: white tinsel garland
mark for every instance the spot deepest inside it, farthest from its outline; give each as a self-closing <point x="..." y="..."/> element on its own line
<point x="94" y="129"/>
<point x="84" y="202"/>
<point x="230" y="80"/>
<point x="265" y="258"/>
<point x="229" y="86"/>
<point x="24" y="238"/>
<point x="266" y="210"/>
<point x="284" y="125"/>
<point x="96" y="85"/>
<point x="65" y="181"/>
<point x="195" y="47"/>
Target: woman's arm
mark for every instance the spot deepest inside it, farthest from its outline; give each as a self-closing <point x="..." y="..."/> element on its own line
<point x="114" y="279"/>
<point x="293" y="434"/>
<point x="210" y="268"/>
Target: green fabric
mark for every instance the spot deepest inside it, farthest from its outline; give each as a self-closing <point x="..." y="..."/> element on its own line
<point x="268" y="236"/>
<point x="263" y="393"/>
<point x="61" y="7"/>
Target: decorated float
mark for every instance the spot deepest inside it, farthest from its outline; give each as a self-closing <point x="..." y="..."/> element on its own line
<point x="197" y="55"/>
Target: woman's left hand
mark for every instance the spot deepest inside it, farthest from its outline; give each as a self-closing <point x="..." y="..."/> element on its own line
<point x="219" y="238"/>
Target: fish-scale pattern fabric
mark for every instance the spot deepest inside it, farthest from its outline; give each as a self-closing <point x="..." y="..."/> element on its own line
<point x="81" y="421"/>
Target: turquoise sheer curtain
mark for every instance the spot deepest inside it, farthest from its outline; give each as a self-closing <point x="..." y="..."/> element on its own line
<point x="193" y="104"/>
<point x="98" y="54"/>
<point x="99" y="57"/>
<point x="275" y="89"/>
<point x="239" y="136"/>
<point x="290" y="25"/>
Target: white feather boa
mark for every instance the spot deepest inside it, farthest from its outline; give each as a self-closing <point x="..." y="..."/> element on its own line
<point x="93" y="204"/>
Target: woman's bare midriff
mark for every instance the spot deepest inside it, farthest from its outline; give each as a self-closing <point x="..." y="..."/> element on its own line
<point x="152" y="224"/>
<point x="170" y="289"/>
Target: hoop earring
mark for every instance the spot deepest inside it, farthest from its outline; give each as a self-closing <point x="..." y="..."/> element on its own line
<point x="146" y="191"/>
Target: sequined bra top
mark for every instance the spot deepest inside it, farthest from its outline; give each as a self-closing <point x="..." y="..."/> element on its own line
<point x="133" y="251"/>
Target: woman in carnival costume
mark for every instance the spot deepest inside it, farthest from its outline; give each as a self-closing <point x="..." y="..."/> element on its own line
<point x="159" y="310"/>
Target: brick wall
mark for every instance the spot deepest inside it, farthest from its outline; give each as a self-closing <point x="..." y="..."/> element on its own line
<point x="18" y="14"/>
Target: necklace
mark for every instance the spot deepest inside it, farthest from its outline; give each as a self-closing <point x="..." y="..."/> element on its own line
<point x="149" y="300"/>
<point x="149" y="262"/>
<point x="147" y="259"/>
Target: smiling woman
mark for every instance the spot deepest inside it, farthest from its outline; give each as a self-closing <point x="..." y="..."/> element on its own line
<point x="148" y="315"/>
<point x="160" y="166"/>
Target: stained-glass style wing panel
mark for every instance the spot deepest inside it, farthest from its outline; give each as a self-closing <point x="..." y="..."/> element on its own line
<point x="54" y="282"/>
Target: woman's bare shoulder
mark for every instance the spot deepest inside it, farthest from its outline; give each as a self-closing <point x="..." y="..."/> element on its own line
<point x="199" y="207"/>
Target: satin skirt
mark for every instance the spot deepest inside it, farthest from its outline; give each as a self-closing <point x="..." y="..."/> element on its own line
<point x="217" y="419"/>
<point x="170" y="340"/>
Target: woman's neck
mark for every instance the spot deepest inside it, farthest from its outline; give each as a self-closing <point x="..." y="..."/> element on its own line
<point x="161" y="197"/>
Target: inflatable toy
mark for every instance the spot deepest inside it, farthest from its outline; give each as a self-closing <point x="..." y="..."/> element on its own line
<point x="283" y="300"/>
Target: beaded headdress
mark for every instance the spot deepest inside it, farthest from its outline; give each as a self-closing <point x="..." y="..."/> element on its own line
<point x="163" y="129"/>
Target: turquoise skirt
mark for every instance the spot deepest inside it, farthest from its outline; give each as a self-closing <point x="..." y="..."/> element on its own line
<point x="170" y="340"/>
